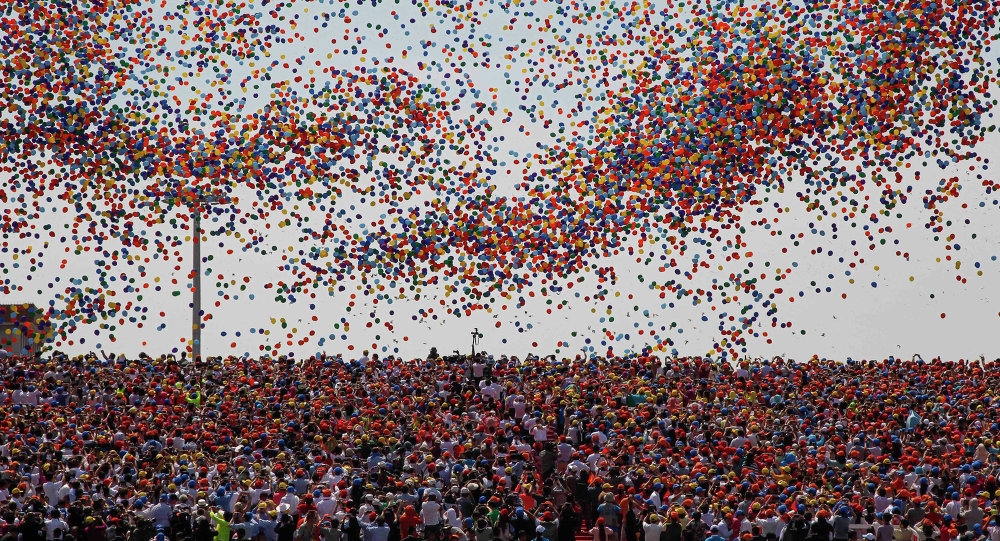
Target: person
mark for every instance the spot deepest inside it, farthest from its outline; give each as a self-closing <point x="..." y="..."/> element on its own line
<point x="772" y="526"/>
<point x="610" y="512"/>
<point x="550" y="526"/>
<point x="715" y="534"/>
<point x="885" y="530"/>
<point x="55" y="526"/>
<point x="652" y="528"/>
<point x="430" y="517"/>
<point x="673" y="530"/>
<point x="601" y="531"/>
<point x="285" y="530"/>
<point x="267" y="525"/>
<point x="308" y="530"/>
<point x="32" y="528"/>
<point x="204" y="527"/>
<point x="409" y="521"/>
<point x="632" y="524"/>
<point x="522" y="524"/>
<point x="842" y="524"/>
<point x="904" y="532"/>
<point x="222" y="524"/>
<point x="330" y="529"/>
<point x="353" y="529"/>
<point x="821" y="529"/>
<point x="569" y="522"/>
<point x="181" y="525"/>
<point x="379" y="530"/>
<point x="757" y="456"/>
<point x="160" y="513"/>
<point x="973" y="515"/>
<point x="95" y="530"/>
<point x="697" y="529"/>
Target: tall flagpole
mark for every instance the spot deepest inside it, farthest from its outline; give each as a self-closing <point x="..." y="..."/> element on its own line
<point x="196" y="284"/>
<point x="196" y="208"/>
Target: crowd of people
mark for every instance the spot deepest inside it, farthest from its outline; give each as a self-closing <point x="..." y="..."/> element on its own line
<point x="484" y="448"/>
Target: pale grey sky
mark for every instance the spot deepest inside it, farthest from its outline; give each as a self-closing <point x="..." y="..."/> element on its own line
<point x="896" y="316"/>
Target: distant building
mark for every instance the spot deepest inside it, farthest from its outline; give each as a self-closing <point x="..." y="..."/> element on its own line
<point x="21" y="328"/>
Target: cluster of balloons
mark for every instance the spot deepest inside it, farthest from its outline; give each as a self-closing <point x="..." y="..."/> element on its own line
<point x="492" y="150"/>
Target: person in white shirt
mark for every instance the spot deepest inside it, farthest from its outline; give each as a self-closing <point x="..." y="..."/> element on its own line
<point x="601" y="437"/>
<point x="159" y="513"/>
<point x="490" y="389"/>
<point x="772" y="524"/>
<point x="882" y="501"/>
<point x="452" y="518"/>
<point x="723" y="528"/>
<point x="994" y="532"/>
<point x="447" y="444"/>
<point x="652" y="528"/>
<point x="377" y="531"/>
<point x="738" y="441"/>
<point x="66" y="491"/>
<point x="51" y="489"/>
<point x="520" y="405"/>
<point x="592" y="459"/>
<point x="577" y="465"/>
<point x="565" y="450"/>
<point x="954" y="507"/>
<point x="290" y="498"/>
<point x="55" y="527"/>
<point x="325" y="505"/>
<point x="602" y="532"/>
<point x="430" y="513"/>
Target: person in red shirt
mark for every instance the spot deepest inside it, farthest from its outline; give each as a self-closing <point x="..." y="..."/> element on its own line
<point x="948" y="531"/>
<point x="408" y="521"/>
<point x="932" y="515"/>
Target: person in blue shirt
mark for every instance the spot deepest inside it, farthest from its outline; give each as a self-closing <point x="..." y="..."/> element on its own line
<point x="242" y="523"/>
<point x="378" y="530"/>
<point x="266" y="524"/>
<point x="224" y="499"/>
<point x="611" y="513"/>
<point x="715" y="535"/>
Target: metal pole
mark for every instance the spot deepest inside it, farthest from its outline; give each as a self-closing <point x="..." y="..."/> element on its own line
<point x="196" y="285"/>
